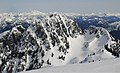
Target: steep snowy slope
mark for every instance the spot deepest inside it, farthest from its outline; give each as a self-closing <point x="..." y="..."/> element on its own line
<point x="93" y="47"/>
<point x="55" y="40"/>
<point x="106" y="66"/>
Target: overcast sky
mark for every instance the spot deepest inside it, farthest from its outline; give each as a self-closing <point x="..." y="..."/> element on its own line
<point x="79" y="6"/>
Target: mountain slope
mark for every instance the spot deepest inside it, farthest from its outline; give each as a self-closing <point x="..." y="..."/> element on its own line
<point x="109" y="66"/>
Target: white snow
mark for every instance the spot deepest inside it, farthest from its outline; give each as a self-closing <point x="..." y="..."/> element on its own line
<point x="106" y="66"/>
<point x="75" y="48"/>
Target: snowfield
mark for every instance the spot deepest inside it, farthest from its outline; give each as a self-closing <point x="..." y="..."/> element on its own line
<point x="106" y="66"/>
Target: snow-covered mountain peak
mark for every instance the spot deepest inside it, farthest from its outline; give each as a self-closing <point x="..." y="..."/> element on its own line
<point x="33" y="42"/>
